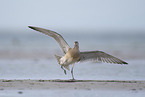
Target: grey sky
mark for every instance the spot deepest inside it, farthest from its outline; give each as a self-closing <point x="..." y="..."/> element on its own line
<point x="73" y="14"/>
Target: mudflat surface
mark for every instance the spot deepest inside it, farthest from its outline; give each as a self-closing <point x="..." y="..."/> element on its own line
<point x="72" y="84"/>
<point x="71" y="88"/>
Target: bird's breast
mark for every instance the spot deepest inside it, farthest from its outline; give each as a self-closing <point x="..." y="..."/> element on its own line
<point x="66" y="60"/>
<point x="70" y="57"/>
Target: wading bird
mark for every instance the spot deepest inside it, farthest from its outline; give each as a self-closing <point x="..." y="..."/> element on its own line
<point x="73" y="55"/>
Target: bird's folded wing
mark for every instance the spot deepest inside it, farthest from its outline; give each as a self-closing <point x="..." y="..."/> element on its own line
<point x="63" y="44"/>
<point x="100" y="56"/>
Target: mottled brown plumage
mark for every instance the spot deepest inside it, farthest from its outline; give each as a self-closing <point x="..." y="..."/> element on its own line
<point x="73" y="55"/>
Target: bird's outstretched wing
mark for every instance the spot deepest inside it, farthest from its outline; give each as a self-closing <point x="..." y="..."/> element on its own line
<point x="63" y="44"/>
<point x="100" y="56"/>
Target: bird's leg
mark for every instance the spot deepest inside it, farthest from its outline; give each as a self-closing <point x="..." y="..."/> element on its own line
<point x="72" y="72"/>
<point x="63" y="69"/>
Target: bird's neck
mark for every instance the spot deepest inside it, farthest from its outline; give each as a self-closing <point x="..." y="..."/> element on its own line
<point x="76" y="47"/>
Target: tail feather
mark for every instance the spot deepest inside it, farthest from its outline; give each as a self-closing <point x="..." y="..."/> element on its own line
<point x="58" y="58"/>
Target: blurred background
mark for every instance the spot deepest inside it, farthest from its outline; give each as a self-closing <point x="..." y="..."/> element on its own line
<point x="116" y="27"/>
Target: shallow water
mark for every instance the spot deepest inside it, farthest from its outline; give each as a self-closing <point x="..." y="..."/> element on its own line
<point x="122" y="45"/>
<point x="49" y="69"/>
<point x="31" y="56"/>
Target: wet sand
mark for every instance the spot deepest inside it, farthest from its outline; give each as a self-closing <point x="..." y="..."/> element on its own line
<point x="71" y="85"/>
<point x="77" y="88"/>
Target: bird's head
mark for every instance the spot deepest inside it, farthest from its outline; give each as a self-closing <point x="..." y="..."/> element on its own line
<point x="76" y="44"/>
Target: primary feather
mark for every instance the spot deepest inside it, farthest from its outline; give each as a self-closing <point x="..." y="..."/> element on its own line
<point x="63" y="44"/>
<point x="99" y="56"/>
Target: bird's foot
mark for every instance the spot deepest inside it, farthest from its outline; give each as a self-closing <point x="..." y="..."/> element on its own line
<point x="73" y="80"/>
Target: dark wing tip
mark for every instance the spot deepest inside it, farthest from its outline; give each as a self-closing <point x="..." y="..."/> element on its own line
<point x="31" y="27"/>
<point x="124" y="63"/>
<point x="35" y="28"/>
